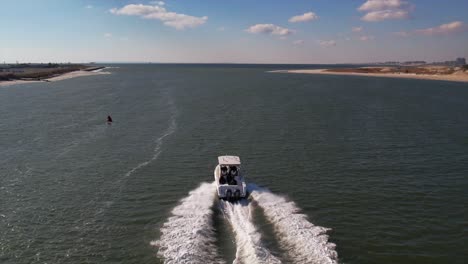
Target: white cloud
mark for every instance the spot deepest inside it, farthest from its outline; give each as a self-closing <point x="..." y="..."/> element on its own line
<point x="304" y="17"/>
<point x="327" y="43"/>
<point x="444" y="29"/>
<point x="366" y="38"/>
<point x="172" y="19"/>
<point x="221" y="29"/>
<point x="372" y="5"/>
<point x="357" y="29"/>
<point x="402" y="33"/>
<point x="88" y="6"/>
<point x="269" y="29"/>
<point x="107" y="35"/>
<point x="160" y="3"/>
<point x="379" y="10"/>
<point x="448" y="28"/>
<point x="376" y="16"/>
<point x="298" y="42"/>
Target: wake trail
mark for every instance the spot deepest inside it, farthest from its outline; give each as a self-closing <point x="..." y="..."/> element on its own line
<point x="303" y="241"/>
<point x="156" y="151"/>
<point x="188" y="236"/>
<point x="118" y="185"/>
<point x="158" y="143"/>
<point x="248" y="240"/>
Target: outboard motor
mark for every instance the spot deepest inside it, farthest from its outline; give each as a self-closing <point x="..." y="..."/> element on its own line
<point x="228" y="194"/>
<point x="237" y="194"/>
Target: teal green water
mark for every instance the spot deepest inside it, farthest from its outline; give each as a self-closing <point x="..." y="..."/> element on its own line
<point x="382" y="162"/>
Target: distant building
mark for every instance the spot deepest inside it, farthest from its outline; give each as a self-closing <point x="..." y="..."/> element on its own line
<point x="460" y="61"/>
<point x="391" y="63"/>
<point x="413" y="63"/>
<point x="457" y="62"/>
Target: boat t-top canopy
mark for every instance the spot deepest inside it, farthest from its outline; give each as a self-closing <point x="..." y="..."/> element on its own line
<point x="229" y="160"/>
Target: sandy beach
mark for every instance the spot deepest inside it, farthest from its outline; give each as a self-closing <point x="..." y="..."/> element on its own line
<point x="457" y="77"/>
<point x="8" y="83"/>
<point x="68" y="75"/>
<point x="75" y="74"/>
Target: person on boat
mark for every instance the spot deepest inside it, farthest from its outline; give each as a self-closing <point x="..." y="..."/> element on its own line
<point x="109" y="119"/>
<point x="224" y="173"/>
<point x="223" y="170"/>
<point x="222" y="180"/>
<point x="232" y="174"/>
<point x="233" y="170"/>
<point x="229" y="179"/>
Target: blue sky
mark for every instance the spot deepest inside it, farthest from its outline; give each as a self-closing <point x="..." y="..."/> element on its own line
<point x="241" y="31"/>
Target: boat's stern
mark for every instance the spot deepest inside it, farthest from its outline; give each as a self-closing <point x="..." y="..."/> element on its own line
<point x="232" y="192"/>
<point x="230" y="184"/>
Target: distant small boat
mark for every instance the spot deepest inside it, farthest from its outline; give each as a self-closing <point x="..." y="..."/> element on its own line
<point x="229" y="178"/>
<point x="109" y="119"/>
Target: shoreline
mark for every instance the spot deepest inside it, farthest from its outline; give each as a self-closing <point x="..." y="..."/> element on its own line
<point x="60" y="77"/>
<point x="445" y="77"/>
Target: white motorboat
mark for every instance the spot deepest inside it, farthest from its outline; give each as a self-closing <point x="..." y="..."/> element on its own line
<point x="229" y="178"/>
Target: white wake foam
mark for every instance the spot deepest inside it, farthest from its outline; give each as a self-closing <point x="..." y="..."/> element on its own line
<point x="188" y="236"/>
<point x="304" y="242"/>
<point x="248" y="240"/>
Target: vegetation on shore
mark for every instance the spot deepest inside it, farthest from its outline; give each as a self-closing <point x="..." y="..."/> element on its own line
<point x="37" y="72"/>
